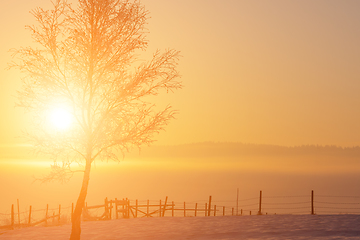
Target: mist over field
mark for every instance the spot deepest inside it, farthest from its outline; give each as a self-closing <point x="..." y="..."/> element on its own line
<point x="190" y="173"/>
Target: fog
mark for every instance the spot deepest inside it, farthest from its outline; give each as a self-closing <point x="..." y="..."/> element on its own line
<point x="185" y="178"/>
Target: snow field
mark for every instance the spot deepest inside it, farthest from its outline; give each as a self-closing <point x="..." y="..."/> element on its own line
<point x="204" y="228"/>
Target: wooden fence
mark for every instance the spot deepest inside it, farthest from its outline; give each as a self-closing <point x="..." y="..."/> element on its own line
<point x="55" y="217"/>
<point x="125" y="208"/>
<point x="261" y="205"/>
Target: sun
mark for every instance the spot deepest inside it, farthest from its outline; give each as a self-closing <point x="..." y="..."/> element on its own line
<point x="61" y="118"/>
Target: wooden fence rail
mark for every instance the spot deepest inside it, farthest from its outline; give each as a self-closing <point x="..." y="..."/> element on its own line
<point x="29" y="222"/>
<point x="118" y="208"/>
<point x="124" y="208"/>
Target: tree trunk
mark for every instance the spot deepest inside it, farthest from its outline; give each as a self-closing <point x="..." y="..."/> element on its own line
<point x="76" y="218"/>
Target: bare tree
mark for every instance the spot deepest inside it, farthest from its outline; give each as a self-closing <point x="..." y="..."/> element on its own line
<point x="86" y="58"/>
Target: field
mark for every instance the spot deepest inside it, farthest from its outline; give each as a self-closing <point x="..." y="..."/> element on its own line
<point x="205" y="228"/>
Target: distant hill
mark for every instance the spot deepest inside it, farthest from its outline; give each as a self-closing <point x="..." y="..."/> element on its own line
<point x="226" y="157"/>
<point x="230" y="155"/>
<point x="224" y="149"/>
<point x="253" y="157"/>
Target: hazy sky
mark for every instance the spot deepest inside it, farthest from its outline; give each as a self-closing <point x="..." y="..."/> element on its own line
<point x="279" y="72"/>
<point x="270" y="72"/>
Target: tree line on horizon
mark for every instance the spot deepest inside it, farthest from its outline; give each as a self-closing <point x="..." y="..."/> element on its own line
<point x="224" y="149"/>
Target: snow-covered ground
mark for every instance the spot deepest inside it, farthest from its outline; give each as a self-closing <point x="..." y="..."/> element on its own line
<point x="205" y="228"/>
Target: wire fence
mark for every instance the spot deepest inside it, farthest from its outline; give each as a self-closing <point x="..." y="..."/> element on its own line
<point x="261" y="205"/>
<point x="296" y="204"/>
<point x="46" y="216"/>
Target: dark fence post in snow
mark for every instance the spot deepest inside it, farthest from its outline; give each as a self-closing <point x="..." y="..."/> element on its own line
<point x="312" y="202"/>
<point x="59" y="213"/>
<point x="173" y="207"/>
<point x="259" y="213"/>
<point x="209" y="206"/>
<point x="30" y="215"/>
<point x="163" y="214"/>
<point x="110" y="207"/>
<point x="106" y="208"/>
<point x="18" y="208"/>
<point x="237" y="202"/>
<point x="12" y="217"/>
<point x="136" y="208"/>
<point x="160" y="215"/>
<point x="184" y="209"/>
<point x="116" y="209"/>
<point x="46" y="214"/>
<point x="128" y="207"/>
<point x="147" y="208"/>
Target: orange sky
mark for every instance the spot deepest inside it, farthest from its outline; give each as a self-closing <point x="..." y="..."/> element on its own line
<point x="263" y="72"/>
<point x="271" y="72"/>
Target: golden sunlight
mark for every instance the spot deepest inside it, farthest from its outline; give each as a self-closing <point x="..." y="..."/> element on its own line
<point x="61" y="118"/>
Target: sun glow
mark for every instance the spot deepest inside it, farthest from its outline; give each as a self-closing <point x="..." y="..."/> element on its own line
<point x="61" y="118"/>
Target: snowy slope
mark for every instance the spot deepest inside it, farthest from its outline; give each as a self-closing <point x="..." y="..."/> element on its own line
<point x="204" y="228"/>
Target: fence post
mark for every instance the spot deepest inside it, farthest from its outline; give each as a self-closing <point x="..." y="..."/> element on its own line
<point x="241" y="212"/>
<point x="232" y="211"/>
<point x="195" y="209"/>
<point x="111" y="209"/>
<point x="59" y="213"/>
<point x="163" y="214"/>
<point x="147" y="209"/>
<point x="106" y="208"/>
<point x="173" y="208"/>
<point x="184" y="209"/>
<point x="259" y="213"/>
<point x="123" y="208"/>
<point x="209" y="206"/>
<point x="160" y="208"/>
<point x="30" y="215"/>
<point x="116" y="209"/>
<point x="46" y="214"/>
<point x="223" y="210"/>
<point x="12" y="216"/>
<point x="214" y="210"/>
<point x="136" y="208"/>
<point x="18" y="207"/>
<point x="237" y="202"/>
<point x="312" y="202"/>
<point x="128" y="208"/>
